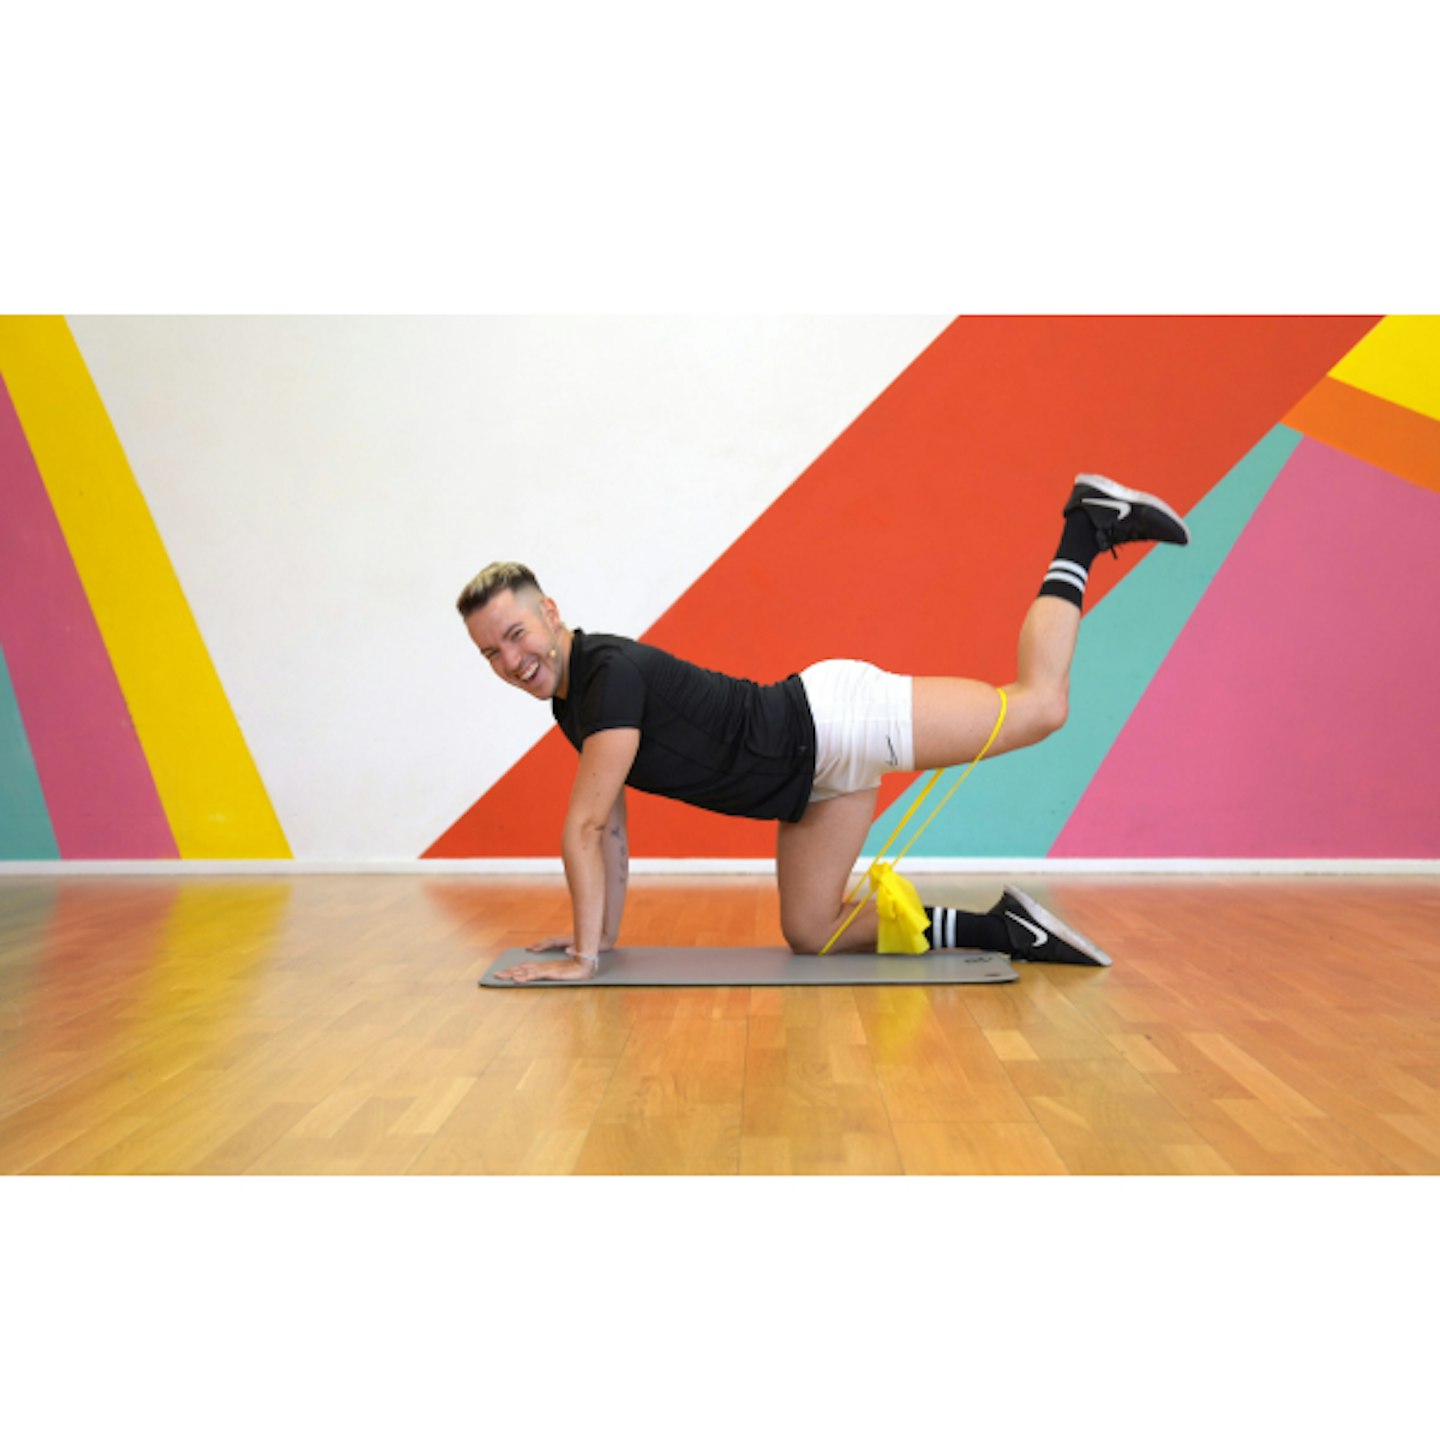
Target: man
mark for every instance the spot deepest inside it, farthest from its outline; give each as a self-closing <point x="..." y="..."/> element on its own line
<point x="808" y="751"/>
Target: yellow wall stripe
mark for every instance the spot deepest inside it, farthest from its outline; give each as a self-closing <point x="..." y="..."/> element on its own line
<point x="1399" y="360"/>
<point x="207" y="781"/>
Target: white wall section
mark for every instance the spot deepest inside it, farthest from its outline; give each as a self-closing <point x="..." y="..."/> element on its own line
<point x="325" y="486"/>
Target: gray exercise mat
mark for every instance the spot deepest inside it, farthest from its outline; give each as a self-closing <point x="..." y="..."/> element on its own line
<point x="730" y="965"/>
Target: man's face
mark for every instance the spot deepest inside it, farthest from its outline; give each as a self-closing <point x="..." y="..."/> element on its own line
<point x="521" y="637"/>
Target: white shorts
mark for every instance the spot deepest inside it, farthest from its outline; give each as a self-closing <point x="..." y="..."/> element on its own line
<point x="862" y="725"/>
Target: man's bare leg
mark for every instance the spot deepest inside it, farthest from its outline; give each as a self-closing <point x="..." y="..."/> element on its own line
<point x="814" y="859"/>
<point x="952" y="718"/>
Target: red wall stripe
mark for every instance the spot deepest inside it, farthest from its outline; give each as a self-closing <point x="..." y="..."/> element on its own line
<point x="918" y="539"/>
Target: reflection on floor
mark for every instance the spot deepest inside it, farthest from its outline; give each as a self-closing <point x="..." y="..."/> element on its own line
<point x="332" y="1024"/>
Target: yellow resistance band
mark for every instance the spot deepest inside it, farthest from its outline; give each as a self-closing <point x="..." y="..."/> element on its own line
<point x="899" y="906"/>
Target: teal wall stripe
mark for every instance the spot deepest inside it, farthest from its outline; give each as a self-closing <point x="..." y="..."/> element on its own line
<point x="25" y="829"/>
<point x="1018" y="804"/>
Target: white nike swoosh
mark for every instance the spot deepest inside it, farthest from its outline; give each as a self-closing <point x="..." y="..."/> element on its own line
<point x="1040" y="936"/>
<point x="1120" y="507"/>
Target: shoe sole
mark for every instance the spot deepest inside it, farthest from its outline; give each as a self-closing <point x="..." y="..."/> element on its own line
<point x="1071" y="937"/>
<point x="1116" y="491"/>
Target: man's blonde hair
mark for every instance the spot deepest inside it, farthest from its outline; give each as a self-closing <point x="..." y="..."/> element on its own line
<point x="503" y="575"/>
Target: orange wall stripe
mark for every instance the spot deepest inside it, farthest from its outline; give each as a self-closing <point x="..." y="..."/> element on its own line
<point x="1383" y="434"/>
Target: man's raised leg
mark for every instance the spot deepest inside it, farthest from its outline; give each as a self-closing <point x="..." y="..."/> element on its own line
<point x="953" y="718"/>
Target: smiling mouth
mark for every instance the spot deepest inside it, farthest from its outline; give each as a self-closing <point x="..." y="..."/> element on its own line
<point x="527" y="675"/>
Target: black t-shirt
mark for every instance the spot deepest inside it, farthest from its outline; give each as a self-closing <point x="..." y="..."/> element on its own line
<point x="705" y="738"/>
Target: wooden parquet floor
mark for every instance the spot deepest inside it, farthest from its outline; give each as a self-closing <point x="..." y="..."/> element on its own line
<point x="332" y="1025"/>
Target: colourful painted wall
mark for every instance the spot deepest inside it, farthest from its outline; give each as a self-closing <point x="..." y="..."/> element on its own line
<point x="229" y="550"/>
<point x="118" y="740"/>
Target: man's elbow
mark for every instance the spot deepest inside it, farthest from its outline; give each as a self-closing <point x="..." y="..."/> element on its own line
<point x="583" y="832"/>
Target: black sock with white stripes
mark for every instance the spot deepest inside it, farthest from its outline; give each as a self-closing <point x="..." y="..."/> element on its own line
<point x="964" y="930"/>
<point x="1070" y="569"/>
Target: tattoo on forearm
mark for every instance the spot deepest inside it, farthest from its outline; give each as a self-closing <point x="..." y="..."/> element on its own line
<point x="619" y="876"/>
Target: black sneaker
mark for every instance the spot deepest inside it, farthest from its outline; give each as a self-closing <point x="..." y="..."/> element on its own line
<point x="1121" y="516"/>
<point x="1035" y="934"/>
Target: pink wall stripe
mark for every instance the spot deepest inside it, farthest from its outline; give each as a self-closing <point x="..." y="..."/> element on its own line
<point x="102" y="801"/>
<point x="1298" y="714"/>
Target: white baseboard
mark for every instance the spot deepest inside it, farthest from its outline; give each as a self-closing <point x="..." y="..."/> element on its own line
<point x="550" y="865"/>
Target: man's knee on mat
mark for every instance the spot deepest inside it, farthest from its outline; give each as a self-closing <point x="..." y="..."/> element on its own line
<point x="806" y="935"/>
<point x="809" y="933"/>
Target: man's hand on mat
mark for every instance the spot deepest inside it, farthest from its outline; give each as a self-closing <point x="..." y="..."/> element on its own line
<point x="548" y="970"/>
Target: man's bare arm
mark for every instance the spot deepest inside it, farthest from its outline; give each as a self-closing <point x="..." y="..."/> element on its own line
<point x="605" y="761"/>
<point x="616" y="848"/>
